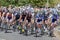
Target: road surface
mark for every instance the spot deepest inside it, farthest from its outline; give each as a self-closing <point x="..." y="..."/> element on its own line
<point x="17" y="36"/>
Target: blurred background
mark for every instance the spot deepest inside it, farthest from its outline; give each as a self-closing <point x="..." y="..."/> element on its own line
<point x="38" y="3"/>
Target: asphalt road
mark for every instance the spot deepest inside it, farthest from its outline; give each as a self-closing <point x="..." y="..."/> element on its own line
<point x="17" y="36"/>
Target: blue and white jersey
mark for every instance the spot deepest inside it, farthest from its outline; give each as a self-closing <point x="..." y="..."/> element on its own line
<point x="55" y="17"/>
<point x="54" y="11"/>
<point x="39" y="17"/>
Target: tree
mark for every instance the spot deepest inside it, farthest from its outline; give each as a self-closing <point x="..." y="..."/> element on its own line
<point x="39" y="3"/>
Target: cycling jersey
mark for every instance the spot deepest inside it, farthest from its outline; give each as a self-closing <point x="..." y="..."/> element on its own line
<point x="23" y="17"/>
<point x="9" y="16"/>
<point x="54" y="18"/>
<point x="39" y="17"/>
<point x="45" y="17"/>
<point x="17" y="16"/>
<point x="29" y="18"/>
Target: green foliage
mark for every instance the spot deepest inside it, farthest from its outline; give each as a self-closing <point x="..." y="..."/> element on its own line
<point x="39" y="3"/>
